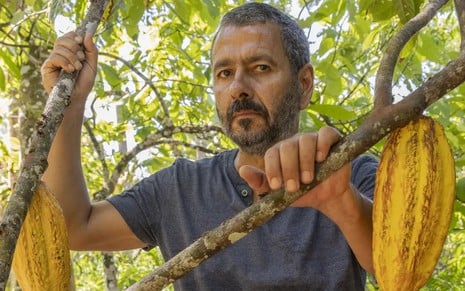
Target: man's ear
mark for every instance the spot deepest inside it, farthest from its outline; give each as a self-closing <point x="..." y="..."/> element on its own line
<point x="305" y="76"/>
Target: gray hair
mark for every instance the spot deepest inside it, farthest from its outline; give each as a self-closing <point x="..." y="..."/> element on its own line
<point x="294" y="41"/>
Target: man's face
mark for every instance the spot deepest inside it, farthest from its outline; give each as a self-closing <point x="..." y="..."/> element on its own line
<point x="257" y="96"/>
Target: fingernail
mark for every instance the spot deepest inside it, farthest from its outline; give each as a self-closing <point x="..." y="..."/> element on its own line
<point x="319" y="156"/>
<point x="307" y="177"/>
<point x="78" y="65"/>
<point x="70" y="68"/>
<point x="78" y="38"/>
<point x="275" y="183"/>
<point x="80" y="55"/>
<point x="291" y="185"/>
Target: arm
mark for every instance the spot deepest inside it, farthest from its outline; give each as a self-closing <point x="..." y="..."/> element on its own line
<point x="98" y="226"/>
<point x="335" y="197"/>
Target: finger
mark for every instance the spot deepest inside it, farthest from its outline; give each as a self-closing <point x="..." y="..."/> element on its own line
<point x="65" y="59"/>
<point x="273" y="167"/>
<point x="91" y="51"/>
<point x="71" y="41"/>
<point x="327" y="136"/>
<point x="255" y="178"/>
<point x="307" y="149"/>
<point x="69" y="47"/>
<point x="289" y="157"/>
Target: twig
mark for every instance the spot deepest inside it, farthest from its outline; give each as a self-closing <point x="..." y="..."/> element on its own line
<point x="147" y="81"/>
<point x="149" y="141"/>
<point x="383" y="83"/>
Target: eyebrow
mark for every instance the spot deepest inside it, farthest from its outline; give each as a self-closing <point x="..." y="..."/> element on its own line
<point x="255" y="58"/>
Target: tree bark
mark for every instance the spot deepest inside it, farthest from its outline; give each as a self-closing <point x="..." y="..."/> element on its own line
<point x="35" y="161"/>
<point x="384" y="117"/>
<point x="110" y="270"/>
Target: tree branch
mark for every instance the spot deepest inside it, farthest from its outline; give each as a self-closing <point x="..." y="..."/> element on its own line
<point x="150" y="141"/>
<point x="98" y="149"/>
<point x="460" y="9"/>
<point x="383" y="83"/>
<point x="35" y="161"/>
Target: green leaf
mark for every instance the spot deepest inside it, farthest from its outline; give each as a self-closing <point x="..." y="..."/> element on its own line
<point x="182" y="10"/>
<point x="429" y="47"/>
<point x="326" y="10"/>
<point x="405" y="9"/>
<point x="2" y="81"/>
<point x="134" y="15"/>
<point x="111" y="75"/>
<point x="13" y="68"/>
<point x="17" y="17"/>
<point x="333" y="111"/>
<point x="326" y="45"/>
<point x="380" y="10"/>
<point x="460" y="190"/>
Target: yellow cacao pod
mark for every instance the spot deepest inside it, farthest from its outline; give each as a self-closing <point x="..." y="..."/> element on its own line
<point x="42" y="258"/>
<point x="413" y="205"/>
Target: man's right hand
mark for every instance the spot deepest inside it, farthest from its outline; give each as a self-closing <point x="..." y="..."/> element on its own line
<point x="72" y="53"/>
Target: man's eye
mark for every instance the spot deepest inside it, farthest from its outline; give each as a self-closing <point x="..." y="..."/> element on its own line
<point x="224" y="74"/>
<point x="262" y="68"/>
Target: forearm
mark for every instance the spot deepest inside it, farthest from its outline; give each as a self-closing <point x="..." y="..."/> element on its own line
<point x="353" y="215"/>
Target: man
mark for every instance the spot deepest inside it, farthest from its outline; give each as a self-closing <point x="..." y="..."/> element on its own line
<point x="261" y="80"/>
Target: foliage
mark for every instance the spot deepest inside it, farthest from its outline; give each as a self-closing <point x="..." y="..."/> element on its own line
<point x="155" y="76"/>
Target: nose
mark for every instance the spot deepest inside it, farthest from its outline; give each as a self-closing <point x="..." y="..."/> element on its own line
<point x="240" y="86"/>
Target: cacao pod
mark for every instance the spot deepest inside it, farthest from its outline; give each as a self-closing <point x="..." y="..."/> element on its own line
<point x="413" y="205"/>
<point x="42" y="258"/>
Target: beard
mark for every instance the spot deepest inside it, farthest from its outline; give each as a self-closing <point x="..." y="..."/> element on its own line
<point x="279" y="124"/>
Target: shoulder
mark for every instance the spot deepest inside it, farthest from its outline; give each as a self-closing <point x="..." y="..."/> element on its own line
<point x="364" y="174"/>
<point x="222" y="159"/>
<point x="364" y="163"/>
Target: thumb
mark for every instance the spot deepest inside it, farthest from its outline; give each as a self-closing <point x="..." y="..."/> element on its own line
<point x="256" y="179"/>
<point x="91" y="50"/>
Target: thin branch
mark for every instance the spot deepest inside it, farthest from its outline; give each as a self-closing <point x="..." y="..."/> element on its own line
<point x="184" y="82"/>
<point x="383" y="83"/>
<point x="460" y="9"/>
<point x="354" y="88"/>
<point x="147" y="81"/>
<point x="150" y="141"/>
<point x="14" y="45"/>
<point x="191" y="145"/>
<point x="98" y="149"/>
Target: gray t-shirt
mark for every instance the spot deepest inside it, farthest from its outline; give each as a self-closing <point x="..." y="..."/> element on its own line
<point x="298" y="249"/>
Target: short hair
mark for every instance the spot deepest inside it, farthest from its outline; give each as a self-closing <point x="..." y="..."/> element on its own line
<point x="295" y="43"/>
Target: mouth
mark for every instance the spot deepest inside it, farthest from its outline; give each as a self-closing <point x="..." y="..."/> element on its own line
<point x="245" y="114"/>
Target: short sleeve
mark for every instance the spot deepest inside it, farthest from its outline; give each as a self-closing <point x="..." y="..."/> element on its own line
<point x="139" y="207"/>
<point x="364" y="174"/>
